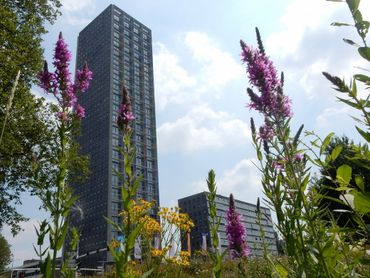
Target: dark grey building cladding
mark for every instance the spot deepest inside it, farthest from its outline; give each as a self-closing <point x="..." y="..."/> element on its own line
<point x="118" y="49"/>
<point x="196" y="206"/>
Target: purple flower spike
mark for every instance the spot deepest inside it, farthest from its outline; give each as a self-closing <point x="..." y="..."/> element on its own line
<point x="125" y="115"/>
<point x="63" y="116"/>
<point x="236" y="233"/>
<point x="47" y="79"/>
<point x="80" y="111"/>
<point x="83" y="78"/>
<point x="266" y="132"/>
<point x="263" y="76"/>
<point x="59" y="83"/>
<point x="62" y="55"/>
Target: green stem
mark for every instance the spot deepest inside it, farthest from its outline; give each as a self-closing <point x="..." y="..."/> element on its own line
<point x="302" y="204"/>
<point x="60" y="189"/>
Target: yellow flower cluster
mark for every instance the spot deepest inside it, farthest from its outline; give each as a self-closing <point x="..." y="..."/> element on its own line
<point x="114" y="244"/>
<point x="150" y="226"/>
<point x="183" y="259"/>
<point x="159" y="252"/>
<point x="174" y="217"/>
<point x="137" y="210"/>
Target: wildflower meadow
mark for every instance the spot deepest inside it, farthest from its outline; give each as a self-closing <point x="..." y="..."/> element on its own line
<point x="313" y="243"/>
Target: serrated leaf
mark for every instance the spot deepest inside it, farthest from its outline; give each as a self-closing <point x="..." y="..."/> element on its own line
<point x="364" y="52"/>
<point x="344" y="174"/>
<point x="336" y="152"/>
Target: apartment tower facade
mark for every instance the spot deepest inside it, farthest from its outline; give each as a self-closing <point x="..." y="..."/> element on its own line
<point x="118" y="50"/>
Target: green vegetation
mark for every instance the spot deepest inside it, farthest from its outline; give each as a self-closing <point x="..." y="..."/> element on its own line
<point x="27" y="127"/>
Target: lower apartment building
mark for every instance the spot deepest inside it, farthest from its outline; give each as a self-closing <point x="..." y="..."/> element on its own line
<point x="196" y="206"/>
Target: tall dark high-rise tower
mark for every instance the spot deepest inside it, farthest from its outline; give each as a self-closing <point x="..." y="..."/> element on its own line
<point x="118" y="49"/>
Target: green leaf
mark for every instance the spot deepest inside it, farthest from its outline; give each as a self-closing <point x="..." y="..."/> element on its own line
<point x="353" y="5"/>
<point x="62" y="236"/>
<point x="344" y="174"/>
<point x="350" y="103"/>
<point x="350" y="42"/>
<point x="336" y="152"/>
<point x="364" y="52"/>
<point x="259" y="155"/>
<point x="362" y="77"/>
<point x="326" y="142"/>
<point x="354" y="89"/>
<point x="361" y="201"/>
<point x="360" y="183"/>
<point x="296" y="137"/>
<point x="339" y="24"/>
<point x="364" y="134"/>
<point x="46" y="267"/>
<point x="146" y="274"/>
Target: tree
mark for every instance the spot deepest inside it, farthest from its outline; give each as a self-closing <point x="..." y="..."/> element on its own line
<point x="26" y="130"/>
<point x="327" y="186"/>
<point x="5" y="253"/>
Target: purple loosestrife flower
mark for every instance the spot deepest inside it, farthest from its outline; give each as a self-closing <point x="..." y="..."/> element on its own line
<point x="278" y="165"/>
<point x="60" y="85"/>
<point x="266" y="132"/>
<point x="62" y="58"/>
<point x="80" y="111"/>
<point x="263" y="75"/>
<point x="83" y="78"/>
<point x="125" y="115"/>
<point x="236" y="233"/>
<point x="298" y="157"/>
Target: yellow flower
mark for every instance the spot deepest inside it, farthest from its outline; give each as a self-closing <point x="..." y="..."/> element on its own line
<point x="114" y="244"/>
<point x="150" y="227"/>
<point x="157" y="252"/>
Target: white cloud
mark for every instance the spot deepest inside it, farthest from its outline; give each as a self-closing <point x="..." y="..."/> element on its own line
<point x="330" y="115"/>
<point x="171" y="79"/>
<point x="218" y="67"/>
<point x="307" y="45"/>
<point x="300" y="16"/>
<point x="77" y="20"/>
<point x="77" y="13"/>
<point x="200" y="129"/>
<point x="242" y="180"/>
<point x="309" y="78"/>
<point x="174" y="83"/>
<point x="75" y="6"/>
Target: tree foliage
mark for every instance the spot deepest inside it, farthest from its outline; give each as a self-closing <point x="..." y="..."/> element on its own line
<point x="5" y="253"/>
<point x="328" y="187"/>
<point x="21" y="27"/>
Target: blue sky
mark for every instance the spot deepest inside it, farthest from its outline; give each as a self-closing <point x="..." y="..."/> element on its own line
<point x="200" y="84"/>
